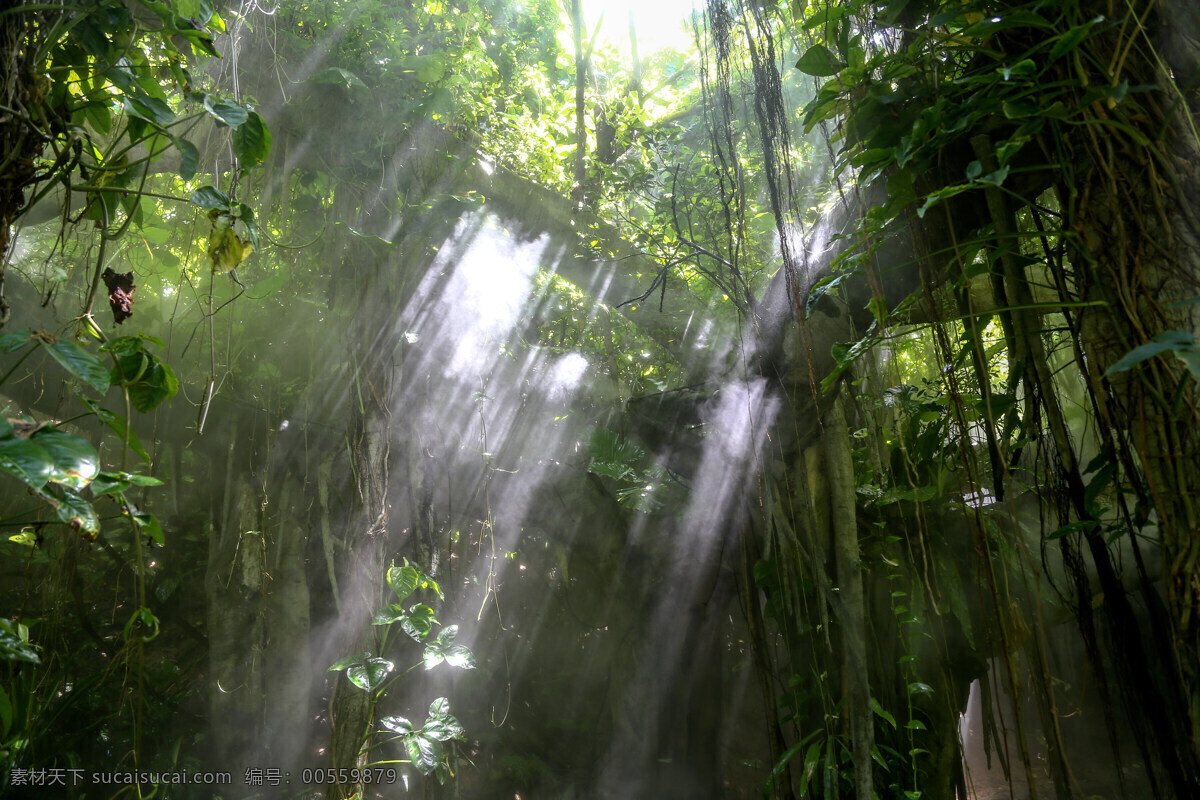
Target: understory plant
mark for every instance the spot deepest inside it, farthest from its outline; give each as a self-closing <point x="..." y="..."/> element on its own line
<point x="425" y="747"/>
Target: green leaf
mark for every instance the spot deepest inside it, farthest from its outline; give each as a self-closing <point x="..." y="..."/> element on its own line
<point x="189" y="158"/>
<point x="940" y="195"/>
<point x="916" y="687"/>
<point x="387" y="616"/>
<point x="397" y="724"/>
<point x="819" y="61"/>
<point x="252" y="141"/>
<point x="15" y="340"/>
<point x="148" y="108"/>
<point x="339" y="76"/>
<point x="6" y="713"/>
<point x="883" y="713"/>
<point x="116" y="423"/>
<point x="348" y="661"/>
<point x="116" y="482"/>
<point x="444" y="728"/>
<point x="440" y="707"/>
<point x="403" y="580"/>
<point x="149" y="525"/>
<point x="369" y="674"/>
<point x="98" y="116"/>
<point x="26" y="461"/>
<point x="447" y="635"/>
<point x="1072" y="38"/>
<point x="14" y="646"/>
<point x="1083" y="525"/>
<point x="78" y="514"/>
<point x="226" y="111"/>
<point x="996" y="178"/>
<point x="1167" y="340"/>
<point x="81" y="364"/>
<point x="424" y="752"/>
<point x="418" y="622"/>
<point x="1025" y="68"/>
<point x="209" y="197"/>
<point x="458" y="655"/>
<point x="75" y="460"/>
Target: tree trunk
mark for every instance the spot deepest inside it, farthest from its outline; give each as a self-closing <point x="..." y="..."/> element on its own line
<point x="840" y="468"/>
<point x="1131" y="208"/>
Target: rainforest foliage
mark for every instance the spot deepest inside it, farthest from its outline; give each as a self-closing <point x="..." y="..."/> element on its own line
<point x="789" y="400"/>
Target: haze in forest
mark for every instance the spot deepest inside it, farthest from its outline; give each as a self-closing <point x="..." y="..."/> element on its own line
<point x="579" y="399"/>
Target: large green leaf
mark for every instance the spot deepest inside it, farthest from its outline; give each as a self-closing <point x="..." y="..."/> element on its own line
<point x="252" y="141"/>
<point x="75" y="460"/>
<point x="424" y="752"/>
<point x="443" y="728"/>
<point x="189" y="158"/>
<point x="392" y="613"/>
<point x="403" y="580"/>
<point x="458" y="655"/>
<point x="209" y="197"/>
<point x="226" y="111"/>
<point x="397" y="724"/>
<point x="370" y="674"/>
<point x="81" y="364"/>
<point x="148" y="108"/>
<point x="78" y="514"/>
<point x="819" y="61"/>
<point x="26" y="461"/>
<point x="418" y="621"/>
<point x="156" y="385"/>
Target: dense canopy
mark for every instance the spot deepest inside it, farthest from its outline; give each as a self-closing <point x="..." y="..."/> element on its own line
<point x="591" y="399"/>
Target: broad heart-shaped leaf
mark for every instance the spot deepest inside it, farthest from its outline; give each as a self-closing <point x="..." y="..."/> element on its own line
<point x="158" y="383"/>
<point x="403" y="580"/>
<point x="444" y="728"/>
<point x="75" y="460"/>
<point x="397" y="724"/>
<point x="418" y="621"/>
<point x="439" y="707"/>
<point x="433" y="655"/>
<point x="447" y="635"/>
<point x="1167" y="340"/>
<point x="226" y="111"/>
<point x="458" y="655"/>
<point x="819" y="61"/>
<point x="81" y="364"/>
<point x="252" y="141"/>
<point x="209" y="197"/>
<point x="78" y="513"/>
<point x="424" y="752"/>
<point x="26" y="461"/>
<point x="370" y="674"/>
<point x="387" y="616"/>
